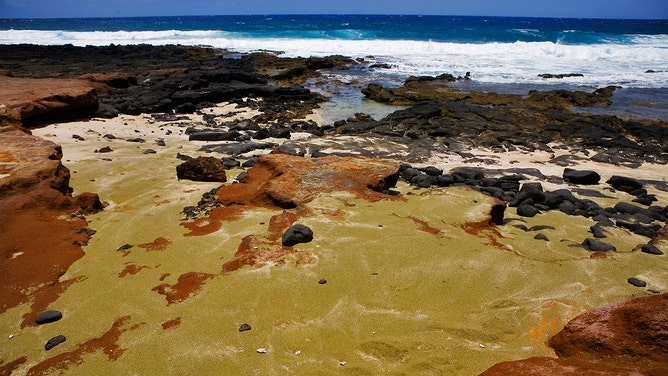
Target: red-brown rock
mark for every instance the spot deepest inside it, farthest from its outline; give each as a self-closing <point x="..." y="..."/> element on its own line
<point x="286" y="181"/>
<point x="632" y="332"/>
<point x="202" y="169"/>
<point x="42" y="232"/>
<point x="43" y="100"/>
<point x="622" y="338"/>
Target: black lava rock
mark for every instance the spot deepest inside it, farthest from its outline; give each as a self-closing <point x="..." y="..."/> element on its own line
<point x="55" y="341"/>
<point x="244" y="327"/>
<point x="651" y="249"/>
<point x="585" y="177"/>
<point x="624" y="184"/>
<point x="541" y="236"/>
<point x="597" y="231"/>
<point x="48" y="316"/>
<point x="297" y="234"/>
<point x="527" y="210"/>
<point x="637" y="282"/>
<point x="598" y="246"/>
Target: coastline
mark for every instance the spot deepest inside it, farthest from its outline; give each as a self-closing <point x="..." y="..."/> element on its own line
<point x="465" y="297"/>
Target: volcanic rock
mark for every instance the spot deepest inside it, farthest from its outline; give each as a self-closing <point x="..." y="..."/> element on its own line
<point x="586" y="177"/>
<point x="623" y="338"/>
<point x="598" y="246"/>
<point x="624" y="183"/>
<point x="651" y="249"/>
<point x="46" y="100"/>
<point x="48" y="317"/>
<point x="39" y="235"/>
<point x="286" y="181"/>
<point x="55" y="341"/>
<point x="297" y="234"/>
<point x="208" y="169"/>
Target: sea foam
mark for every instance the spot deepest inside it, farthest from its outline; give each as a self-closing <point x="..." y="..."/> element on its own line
<point x="622" y="64"/>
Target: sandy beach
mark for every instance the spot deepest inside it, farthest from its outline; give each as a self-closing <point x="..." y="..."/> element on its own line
<point x="189" y="277"/>
<point x="420" y="292"/>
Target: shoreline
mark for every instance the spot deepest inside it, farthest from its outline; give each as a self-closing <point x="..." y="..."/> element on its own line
<point x="430" y="274"/>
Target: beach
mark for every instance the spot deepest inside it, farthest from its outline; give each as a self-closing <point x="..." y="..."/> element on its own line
<point x="423" y="276"/>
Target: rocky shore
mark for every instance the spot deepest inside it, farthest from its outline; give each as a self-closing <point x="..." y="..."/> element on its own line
<point x="553" y="194"/>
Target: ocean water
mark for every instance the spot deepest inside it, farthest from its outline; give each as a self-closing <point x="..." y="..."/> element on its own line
<point x="501" y="53"/>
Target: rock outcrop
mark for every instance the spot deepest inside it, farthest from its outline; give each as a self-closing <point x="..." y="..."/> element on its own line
<point x="623" y="338"/>
<point x="286" y="181"/>
<point x="33" y="101"/>
<point x="43" y="227"/>
<point x="459" y="121"/>
<point x="202" y="169"/>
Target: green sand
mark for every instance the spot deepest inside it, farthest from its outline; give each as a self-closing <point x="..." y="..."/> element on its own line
<point x="408" y="290"/>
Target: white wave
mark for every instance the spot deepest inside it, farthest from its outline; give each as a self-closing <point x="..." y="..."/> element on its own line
<point x="518" y="62"/>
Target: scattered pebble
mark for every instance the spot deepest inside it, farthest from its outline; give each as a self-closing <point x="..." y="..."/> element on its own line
<point x="322" y="281"/>
<point x="261" y="350"/>
<point x="55" y="341"/>
<point x="11" y="336"/>
<point x="244" y="327"/>
<point x="637" y="282"/>
<point x="48" y="316"/>
<point x="124" y="247"/>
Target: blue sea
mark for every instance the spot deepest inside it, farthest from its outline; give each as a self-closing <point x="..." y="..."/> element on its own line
<point x="503" y="54"/>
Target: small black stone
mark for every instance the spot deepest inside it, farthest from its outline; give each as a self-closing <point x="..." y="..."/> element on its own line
<point x="244" y="327"/>
<point x="297" y="234"/>
<point x="637" y="282"/>
<point x="48" y="316"/>
<point x="55" y="341"/>
<point x="541" y="237"/>
<point x="124" y="247"/>
<point x="651" y="249"/>
<point x="598" y="246"/>
<point x="322" y="281"/>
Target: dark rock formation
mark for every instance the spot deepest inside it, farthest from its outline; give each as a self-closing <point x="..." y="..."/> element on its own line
<point x="459" y="120"/>
<point x="585" y="177"/>
<point x="624" y="183"/>
<point x="202" y="169"/>
<point x="166" y="78"/>
<point x="598" y="246"/>
<point x="651" y="249"/>
<point x="296" y="234"/>
<point x="560" y="76"/>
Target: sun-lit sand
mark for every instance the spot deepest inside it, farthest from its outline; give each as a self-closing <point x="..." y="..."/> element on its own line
<point x="412" y="286"/>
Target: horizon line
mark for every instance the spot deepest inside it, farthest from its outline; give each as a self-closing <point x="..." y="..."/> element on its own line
<point x="338" y="15"/>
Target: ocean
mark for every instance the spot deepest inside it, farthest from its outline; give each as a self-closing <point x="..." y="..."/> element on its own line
<point x="504" y="54"/>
